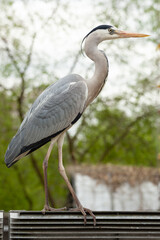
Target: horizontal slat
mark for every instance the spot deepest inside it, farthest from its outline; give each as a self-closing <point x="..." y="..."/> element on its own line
<point x="87" y="238"/>
<point x="88" y="233"/>
<point x="89" y="222"/>
<point x="70" y="225"/>
<point x="87" y="228"/>
<point x="77" y="215"/>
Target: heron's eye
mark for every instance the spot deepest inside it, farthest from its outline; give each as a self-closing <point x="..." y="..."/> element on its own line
<point x="111" y="31"/>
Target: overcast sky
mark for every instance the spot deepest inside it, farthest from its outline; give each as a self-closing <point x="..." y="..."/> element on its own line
<point x="63" y="41"/>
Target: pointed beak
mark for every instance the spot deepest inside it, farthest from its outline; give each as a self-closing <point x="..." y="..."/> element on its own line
<point x="123" y="34"/>
<point x="158" y="86"/>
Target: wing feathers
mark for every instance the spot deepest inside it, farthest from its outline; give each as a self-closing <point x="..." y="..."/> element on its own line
<point x="53" y="112"/>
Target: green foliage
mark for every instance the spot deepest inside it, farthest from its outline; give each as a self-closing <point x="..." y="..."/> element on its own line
<point x="121" y="129"/>
<point x="116" y="137"/>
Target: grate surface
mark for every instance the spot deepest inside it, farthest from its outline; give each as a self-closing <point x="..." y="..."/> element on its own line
<point x="69" y="225"/>
<point x="1" y="224"/>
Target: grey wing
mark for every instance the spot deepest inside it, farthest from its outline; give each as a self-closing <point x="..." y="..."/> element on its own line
<point x="49" y="118"/>
<point x="56" y="113"/>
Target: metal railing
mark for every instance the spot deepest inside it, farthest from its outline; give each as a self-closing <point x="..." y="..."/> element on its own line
<point x="1" y="224"/>
<point x="69" y="225"/>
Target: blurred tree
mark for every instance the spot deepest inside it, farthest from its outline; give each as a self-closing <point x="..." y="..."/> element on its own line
<point x="116" y="137"/>
<point x="18" y="64"/>
<point x="118" y="129"/>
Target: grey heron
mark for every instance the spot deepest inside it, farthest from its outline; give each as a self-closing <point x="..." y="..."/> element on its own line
<point x="60" y="106"/>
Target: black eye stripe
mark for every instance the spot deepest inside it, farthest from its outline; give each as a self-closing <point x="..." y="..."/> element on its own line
<point x="100" y="27"/>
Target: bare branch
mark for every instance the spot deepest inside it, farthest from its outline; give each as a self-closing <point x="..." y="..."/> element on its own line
<point x="10" y="55"/>
<point x="22" y="183"/>
<point x="30" y="53"/>
<point x="125" y="133"/>
<point x="45" y="22"/>
<point x="20" y="98"/>
<point x="71" y="147"/>
<point x="40" y="176"/>
<point x="52" y="14"/>
<point x="74" y="62"/>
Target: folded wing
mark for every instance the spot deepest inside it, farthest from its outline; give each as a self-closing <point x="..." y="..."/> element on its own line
<point x="51" y="114"/>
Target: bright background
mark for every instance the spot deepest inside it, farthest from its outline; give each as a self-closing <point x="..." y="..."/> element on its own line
<point x="40" y="42"/>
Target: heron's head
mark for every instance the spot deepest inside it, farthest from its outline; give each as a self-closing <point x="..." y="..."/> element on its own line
<point x="108" y="32"/>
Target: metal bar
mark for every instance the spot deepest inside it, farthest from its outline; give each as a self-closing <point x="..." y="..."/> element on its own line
<point x="1" y="224"/>
<point x="69" y="225"/>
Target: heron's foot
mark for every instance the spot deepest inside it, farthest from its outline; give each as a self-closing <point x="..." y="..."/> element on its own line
<point x="50" y="209"/>
<point x="84" y="212"/>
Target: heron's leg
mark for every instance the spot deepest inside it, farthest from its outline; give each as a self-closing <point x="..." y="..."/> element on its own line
<point x="45" y="166"/>
<point x="63" y="173"/>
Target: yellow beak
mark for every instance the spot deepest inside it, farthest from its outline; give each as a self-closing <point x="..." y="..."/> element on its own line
<point x="158" y="86"/>
<point x="123" y="34"/>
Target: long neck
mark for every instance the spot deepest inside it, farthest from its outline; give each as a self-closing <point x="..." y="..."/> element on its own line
<point x="96" y="82"/>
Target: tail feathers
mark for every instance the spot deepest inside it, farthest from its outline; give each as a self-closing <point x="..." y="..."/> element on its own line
<point x="13" y="153"/>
